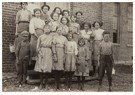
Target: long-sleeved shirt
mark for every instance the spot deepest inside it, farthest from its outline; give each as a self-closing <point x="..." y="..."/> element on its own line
<point x="23" y="50"/>
<point x="54" y="25"/>
<point x="23" y="15"/>
<point x="71" y="47"/>
<point x="36" y="23"/>
<point x="106" y="48"/>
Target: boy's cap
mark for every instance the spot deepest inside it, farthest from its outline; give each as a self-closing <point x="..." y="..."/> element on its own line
<point x="25" y="33"/>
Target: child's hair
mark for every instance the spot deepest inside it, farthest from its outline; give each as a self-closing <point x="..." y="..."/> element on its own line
<point x="73" y="15"/>
<point x="106" y="32"/>
<point x="45" y="6"/>
<point x="65" y="11"/>
<point x="58" y="8"/>
<point x="66" y="19"/>
<point x="53" y="14"/>
<point x="69" y="35"/>
<point x="78" y="12"/>
<point x="81" y="39"/>
<point x="24" y="2"/>
<point x="47" y="26"/>
<point x="37" y="9"/>
<point x="89" y="24"/>
<point x="100" y="23"/>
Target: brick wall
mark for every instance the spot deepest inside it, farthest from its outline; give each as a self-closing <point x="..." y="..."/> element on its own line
<point x="9" y="11"/>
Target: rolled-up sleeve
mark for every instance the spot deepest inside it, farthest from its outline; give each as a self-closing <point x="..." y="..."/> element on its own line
<point x="31" y="27"/>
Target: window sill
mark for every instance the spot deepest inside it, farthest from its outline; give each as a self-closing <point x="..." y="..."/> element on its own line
<point x="129" y="45"/>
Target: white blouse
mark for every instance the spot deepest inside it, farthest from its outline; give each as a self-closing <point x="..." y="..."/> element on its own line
<point x="36" y="23"/>
<point x="98" y="34"/>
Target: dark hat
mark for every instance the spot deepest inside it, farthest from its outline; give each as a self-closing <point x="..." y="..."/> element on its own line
<point x="25" y="33"/>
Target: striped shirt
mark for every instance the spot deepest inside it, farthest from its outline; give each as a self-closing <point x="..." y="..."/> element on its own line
<point x="106" y="48"/>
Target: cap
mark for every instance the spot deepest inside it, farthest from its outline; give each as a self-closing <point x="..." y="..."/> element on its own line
<point x="25" y="33"/>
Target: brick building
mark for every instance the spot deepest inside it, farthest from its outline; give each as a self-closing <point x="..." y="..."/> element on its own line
<point x="117" y="18"/>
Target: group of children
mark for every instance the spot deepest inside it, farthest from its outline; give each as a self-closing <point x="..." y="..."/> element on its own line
<point x="61" y="43"/>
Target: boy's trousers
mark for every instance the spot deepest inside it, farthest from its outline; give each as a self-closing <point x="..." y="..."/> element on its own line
<point x="105" y="65"/>
<point x="22" y="70"/>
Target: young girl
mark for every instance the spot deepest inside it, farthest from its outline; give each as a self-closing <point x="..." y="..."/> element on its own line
<point x="74" y="28"/>
<point x="86" y="34"/>
<point x="44" y="60"/>
<point x="59" y="55"/>
<point x="98" y="37"/>
<point x="71" y="53"/>
<point x="55" y="23"/>
<point x="36" y="29"/>
<point x="64" y="24"/>
<point x="57" y="10"/>
<point x="105" y="60"/>
<point x="82" y="67"/>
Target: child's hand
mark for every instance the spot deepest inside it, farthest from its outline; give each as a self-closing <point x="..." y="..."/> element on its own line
<point x="17" y="61"/>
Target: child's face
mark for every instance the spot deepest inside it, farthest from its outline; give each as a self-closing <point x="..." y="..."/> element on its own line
<point x="66" y="14"/>
<point x="55" y="17"/>
<point x="37" y="14"/>
<point x="73" y="19"/>
<point x="59" y="30"/>
<point x="64" y="21"/>
<point x="24" y="5"/>
<point x="57" y="11"/>
<point x="79" y="15"/>
<point x="69" y="37"/>
<point x="86" y="26"/>
<point x="47" y="30"/>
<point x="45" y="9"/>
<point x="25" y="38"/>
<point x="97" y="25"/>
<point x="106" y="37"/>
<point x="81" y="43"/>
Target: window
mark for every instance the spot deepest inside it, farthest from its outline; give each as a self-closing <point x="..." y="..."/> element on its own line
<point x="116" y="34"/>
<point x="130" y="25"/>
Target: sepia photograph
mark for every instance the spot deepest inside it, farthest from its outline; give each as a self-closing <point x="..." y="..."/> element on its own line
<point x="67" y="46"/>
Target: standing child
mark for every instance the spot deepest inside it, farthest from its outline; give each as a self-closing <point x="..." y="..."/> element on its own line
<point x="105" y="60"/>
<point x="82" y="69"/>
<point x="59" y="55"/>
<point x="44" y="61"/>
<point x="71" y="53"/>
<point x="22" y="57"/>
<point x="86" y="33"/>
<point x="74" y="28"/>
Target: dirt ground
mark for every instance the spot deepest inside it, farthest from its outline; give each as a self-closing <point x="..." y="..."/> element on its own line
<point x="122" y="81"/>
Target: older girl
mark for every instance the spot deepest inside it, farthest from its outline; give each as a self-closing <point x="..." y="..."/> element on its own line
<point x="59" y="49"/>
<point x="74" y="28"/>
<point x="44" y="60"/>
<point x="36" y="29"/>
<point x="64" y="24"/>
<point x="98" y="37"/>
